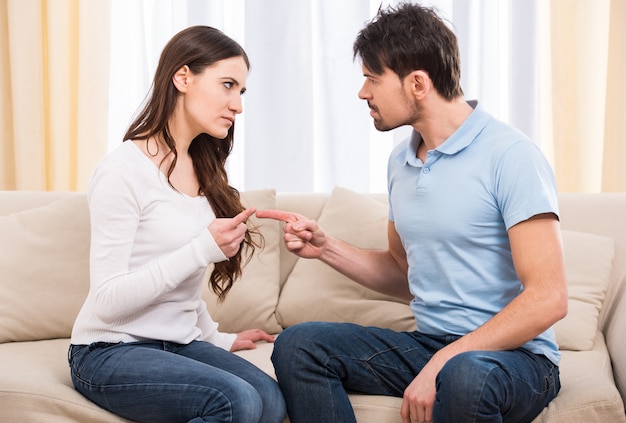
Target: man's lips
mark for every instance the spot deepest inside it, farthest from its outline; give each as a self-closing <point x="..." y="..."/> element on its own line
<point x="373" y="109"/>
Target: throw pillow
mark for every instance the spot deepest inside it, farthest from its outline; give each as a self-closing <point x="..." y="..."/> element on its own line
<point x="588" y="263"/>
<point x="251" y="303"/>
<point x="45" y="269"/>
<point x="314" y="291"/>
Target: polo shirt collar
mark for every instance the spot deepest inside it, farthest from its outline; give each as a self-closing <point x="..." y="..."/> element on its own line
<point x="461" y="138"/>
<point x="467" y="132"/>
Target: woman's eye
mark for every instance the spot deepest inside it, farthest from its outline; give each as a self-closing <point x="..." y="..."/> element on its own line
<point x="228" y="85"/>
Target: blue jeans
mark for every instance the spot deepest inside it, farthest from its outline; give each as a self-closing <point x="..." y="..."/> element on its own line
<point x="157" y="381"/>
<point x="318" y="363"/>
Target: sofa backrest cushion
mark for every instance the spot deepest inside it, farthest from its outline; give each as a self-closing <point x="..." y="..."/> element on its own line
<point x="314" y="291"/>
<point x="44" y="269"/>
<point x="251" y="303"/>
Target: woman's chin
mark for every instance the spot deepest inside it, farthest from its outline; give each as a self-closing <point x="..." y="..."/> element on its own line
<point x="220" y="135"/>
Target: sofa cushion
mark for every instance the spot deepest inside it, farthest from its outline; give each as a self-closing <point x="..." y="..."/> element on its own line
<point x="44" y="268"/>
<point x="251" y="303"/>
<point x="588" y="264"/>
<point x="36" y="387"/>
<point x="314" y="291"/>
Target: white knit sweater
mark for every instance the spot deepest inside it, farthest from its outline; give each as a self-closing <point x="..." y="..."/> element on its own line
<point x="150" y="247"/>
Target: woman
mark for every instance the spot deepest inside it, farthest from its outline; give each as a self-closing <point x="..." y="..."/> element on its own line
<point x="143" y="345"/>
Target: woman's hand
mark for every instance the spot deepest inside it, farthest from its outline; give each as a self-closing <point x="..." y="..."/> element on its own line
<point x="246" y="339"/>
<point x="229" y="233"/>
<point x="303" y="236"/>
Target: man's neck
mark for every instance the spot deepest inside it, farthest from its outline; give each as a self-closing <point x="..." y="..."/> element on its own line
<point x="440" y="119"/>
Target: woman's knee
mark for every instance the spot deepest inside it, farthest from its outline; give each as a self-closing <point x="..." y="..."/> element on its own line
<point x="274" y="407"/>
<point x="242" y="403"/>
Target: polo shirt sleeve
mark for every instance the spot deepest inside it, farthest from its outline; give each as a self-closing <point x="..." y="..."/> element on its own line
<point x="525" y="184"/>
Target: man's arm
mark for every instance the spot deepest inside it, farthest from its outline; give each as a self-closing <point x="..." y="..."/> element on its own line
<point x="537" y="250"/>
<point x="384" y="271"/>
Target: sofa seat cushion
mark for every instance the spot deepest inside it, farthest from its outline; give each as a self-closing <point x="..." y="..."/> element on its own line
<point x="588" y="392"/>
<point x="36" y="387"/>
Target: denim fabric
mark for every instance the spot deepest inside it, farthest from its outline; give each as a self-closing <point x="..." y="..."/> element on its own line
<point x="165" y="382"/>
<point x="318" y="363"/>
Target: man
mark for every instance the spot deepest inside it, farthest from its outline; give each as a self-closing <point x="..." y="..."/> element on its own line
<point x="474" y="243"/>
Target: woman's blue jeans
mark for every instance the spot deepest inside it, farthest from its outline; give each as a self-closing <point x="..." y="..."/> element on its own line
<point x="318" y="363"/>
<point x="166" y="382"/>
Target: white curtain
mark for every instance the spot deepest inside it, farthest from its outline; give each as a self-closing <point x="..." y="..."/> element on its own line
<point x="303" y="127"/>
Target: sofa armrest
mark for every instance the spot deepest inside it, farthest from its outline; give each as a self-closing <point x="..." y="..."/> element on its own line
<point x="614" y="329"/>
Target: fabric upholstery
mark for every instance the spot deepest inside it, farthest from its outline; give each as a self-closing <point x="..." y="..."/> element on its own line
<point x="45" y="269"/>
<point x="588" y="263"/>
<point x="314" y="291"/>
<point x="44" y="239"/>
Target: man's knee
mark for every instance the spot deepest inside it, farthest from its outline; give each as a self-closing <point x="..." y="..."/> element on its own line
<point x="471" y="383"/>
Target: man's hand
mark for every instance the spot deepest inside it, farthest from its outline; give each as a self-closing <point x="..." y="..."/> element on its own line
<point x="229" y="233"/>
<point x="246" y="339"/>
<point x="419" y="397"/>
<point x="303" y="236"/>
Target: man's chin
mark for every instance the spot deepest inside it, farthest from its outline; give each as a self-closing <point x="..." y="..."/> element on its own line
<point x="382" y="127"/>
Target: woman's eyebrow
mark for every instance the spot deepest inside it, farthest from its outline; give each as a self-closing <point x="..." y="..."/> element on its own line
<point x="235" y="82"/>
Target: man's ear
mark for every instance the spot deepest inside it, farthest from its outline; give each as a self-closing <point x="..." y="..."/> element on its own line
<point x="419" y="83"/>
<point x="180" y="78"/>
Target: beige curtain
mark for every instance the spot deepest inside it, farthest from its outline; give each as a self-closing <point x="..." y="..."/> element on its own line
<point x="54" y="90"/>
<point x="54" y="61"/>
<point x="588" y="81"/>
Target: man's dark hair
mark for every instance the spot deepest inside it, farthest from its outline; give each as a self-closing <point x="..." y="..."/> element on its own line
<point x="411" y="37"/>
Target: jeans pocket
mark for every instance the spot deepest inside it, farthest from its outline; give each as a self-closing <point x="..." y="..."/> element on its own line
<point x="80" y="356"/>
<point x="72" y="352"/>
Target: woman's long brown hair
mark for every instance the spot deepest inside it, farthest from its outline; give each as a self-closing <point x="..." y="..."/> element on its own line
<point x="197" y="47"/>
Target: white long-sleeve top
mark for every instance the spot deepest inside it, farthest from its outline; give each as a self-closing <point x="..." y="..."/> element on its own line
<point x="150" y="247"/>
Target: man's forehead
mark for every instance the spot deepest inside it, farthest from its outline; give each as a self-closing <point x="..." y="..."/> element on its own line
<point x="369" y="73"/>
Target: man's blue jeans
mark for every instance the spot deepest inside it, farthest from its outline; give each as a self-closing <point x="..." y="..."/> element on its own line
<point x="316" y="363"/>
<point x="166" y="382"/>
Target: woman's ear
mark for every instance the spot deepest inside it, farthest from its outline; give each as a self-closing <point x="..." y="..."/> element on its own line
<point x="180" y="78"/>
<point x="419" y="83"/>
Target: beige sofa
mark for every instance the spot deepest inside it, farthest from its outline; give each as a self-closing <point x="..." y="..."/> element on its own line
<point x="44" y="243"/>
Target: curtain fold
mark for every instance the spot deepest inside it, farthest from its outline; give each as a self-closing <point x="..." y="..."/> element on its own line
<point x="614" y="160"/>
<point x="588" y="94"/>
<point x="73" y="72"/>
<point x="54" y="80"/>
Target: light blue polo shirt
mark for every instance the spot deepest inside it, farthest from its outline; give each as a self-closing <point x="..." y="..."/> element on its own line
<point x="452" y="213"/>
